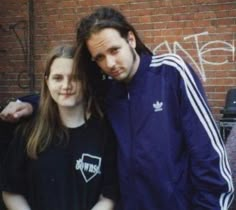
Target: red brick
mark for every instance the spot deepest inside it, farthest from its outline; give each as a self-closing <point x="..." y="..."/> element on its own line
<point x="156" y="21"/>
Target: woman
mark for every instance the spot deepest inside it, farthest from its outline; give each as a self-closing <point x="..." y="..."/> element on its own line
<point x="64" y="159"/>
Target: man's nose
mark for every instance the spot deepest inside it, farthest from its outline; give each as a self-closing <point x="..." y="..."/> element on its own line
<point x="110" y="61"/>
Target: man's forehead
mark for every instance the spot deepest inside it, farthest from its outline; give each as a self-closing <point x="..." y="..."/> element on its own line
<point x="106" y="33"/>
<point x="104" y="41"/>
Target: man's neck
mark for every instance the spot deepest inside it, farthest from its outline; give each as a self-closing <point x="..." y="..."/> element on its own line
<point x="134" y="69"/>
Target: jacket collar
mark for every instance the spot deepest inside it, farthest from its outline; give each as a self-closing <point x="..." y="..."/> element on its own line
<point x="119" y="89"/>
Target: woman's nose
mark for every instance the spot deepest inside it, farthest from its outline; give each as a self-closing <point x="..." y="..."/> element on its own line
<point x="67" y="83"/>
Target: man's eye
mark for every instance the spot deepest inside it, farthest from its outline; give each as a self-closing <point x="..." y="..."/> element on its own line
<point x="98" y="59"/>
<point x="114" y="51"/>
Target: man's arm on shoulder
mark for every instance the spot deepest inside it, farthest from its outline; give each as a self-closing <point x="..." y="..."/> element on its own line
<point x="22" y="107"/>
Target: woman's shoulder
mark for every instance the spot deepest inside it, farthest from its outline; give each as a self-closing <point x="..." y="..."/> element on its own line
<point x="24" y="127"/>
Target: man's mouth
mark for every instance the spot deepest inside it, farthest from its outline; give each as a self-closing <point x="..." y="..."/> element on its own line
<point x="116" y="73"/>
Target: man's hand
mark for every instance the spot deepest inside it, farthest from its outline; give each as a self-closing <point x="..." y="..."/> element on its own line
<point x="15" y="110"/>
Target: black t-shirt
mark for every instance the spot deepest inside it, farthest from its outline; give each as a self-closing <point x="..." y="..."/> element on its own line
<point x="68" y="176"/>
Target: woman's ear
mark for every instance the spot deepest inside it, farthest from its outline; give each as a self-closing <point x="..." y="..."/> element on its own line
<point x="131" y="39"/>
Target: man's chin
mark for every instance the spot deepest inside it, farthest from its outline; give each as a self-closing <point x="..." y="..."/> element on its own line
<point x="120" y="78"/>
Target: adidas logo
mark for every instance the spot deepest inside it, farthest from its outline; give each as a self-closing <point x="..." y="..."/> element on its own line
<point x="158" y="106"/>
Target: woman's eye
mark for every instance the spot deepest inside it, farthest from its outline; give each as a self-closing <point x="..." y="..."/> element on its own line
<point x="57" y="78"/>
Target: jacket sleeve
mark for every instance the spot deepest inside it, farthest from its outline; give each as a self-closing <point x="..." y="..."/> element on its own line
<point x="33" y="99"/>
<point x="209" y="168"/>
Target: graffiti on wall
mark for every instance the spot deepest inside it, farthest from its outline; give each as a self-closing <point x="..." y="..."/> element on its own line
<point x="201" y="51"/>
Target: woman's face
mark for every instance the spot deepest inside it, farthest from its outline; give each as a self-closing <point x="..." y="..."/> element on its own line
<point x="64" y="89"/>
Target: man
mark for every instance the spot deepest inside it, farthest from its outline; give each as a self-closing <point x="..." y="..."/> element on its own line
<point x="170" y="153"/>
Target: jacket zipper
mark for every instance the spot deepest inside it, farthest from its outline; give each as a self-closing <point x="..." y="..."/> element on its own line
<point x="132" y="157"/>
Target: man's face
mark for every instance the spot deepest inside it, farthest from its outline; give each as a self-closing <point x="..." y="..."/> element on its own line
<point x="115" y="55"/>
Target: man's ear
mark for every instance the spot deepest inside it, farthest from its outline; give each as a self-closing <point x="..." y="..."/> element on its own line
<point x="131" y="39"/>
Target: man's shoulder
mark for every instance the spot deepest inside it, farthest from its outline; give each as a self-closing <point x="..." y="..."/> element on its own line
<point x="167" y="65"/>
<point x="169" y="59"/>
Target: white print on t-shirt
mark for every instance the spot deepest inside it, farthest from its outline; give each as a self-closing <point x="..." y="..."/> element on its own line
<point x="89" y="165"/>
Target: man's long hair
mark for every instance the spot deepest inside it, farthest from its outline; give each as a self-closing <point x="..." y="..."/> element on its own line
<point x="102" y="18"/>
<point x="107" y="17"/>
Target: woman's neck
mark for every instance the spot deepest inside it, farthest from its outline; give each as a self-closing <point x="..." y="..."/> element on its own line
<point x="72" y="117"/>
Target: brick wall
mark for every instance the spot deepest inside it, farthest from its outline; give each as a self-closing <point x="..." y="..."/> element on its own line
<point x="13" y="17"/>
<point x="202" y="31"/>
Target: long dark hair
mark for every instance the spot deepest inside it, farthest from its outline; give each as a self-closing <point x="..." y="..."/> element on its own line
<point x="107" y="17"/>
<point x="103" y="17"/>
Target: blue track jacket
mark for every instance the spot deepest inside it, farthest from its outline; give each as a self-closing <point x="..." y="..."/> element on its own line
<point x="171" y="156"/>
